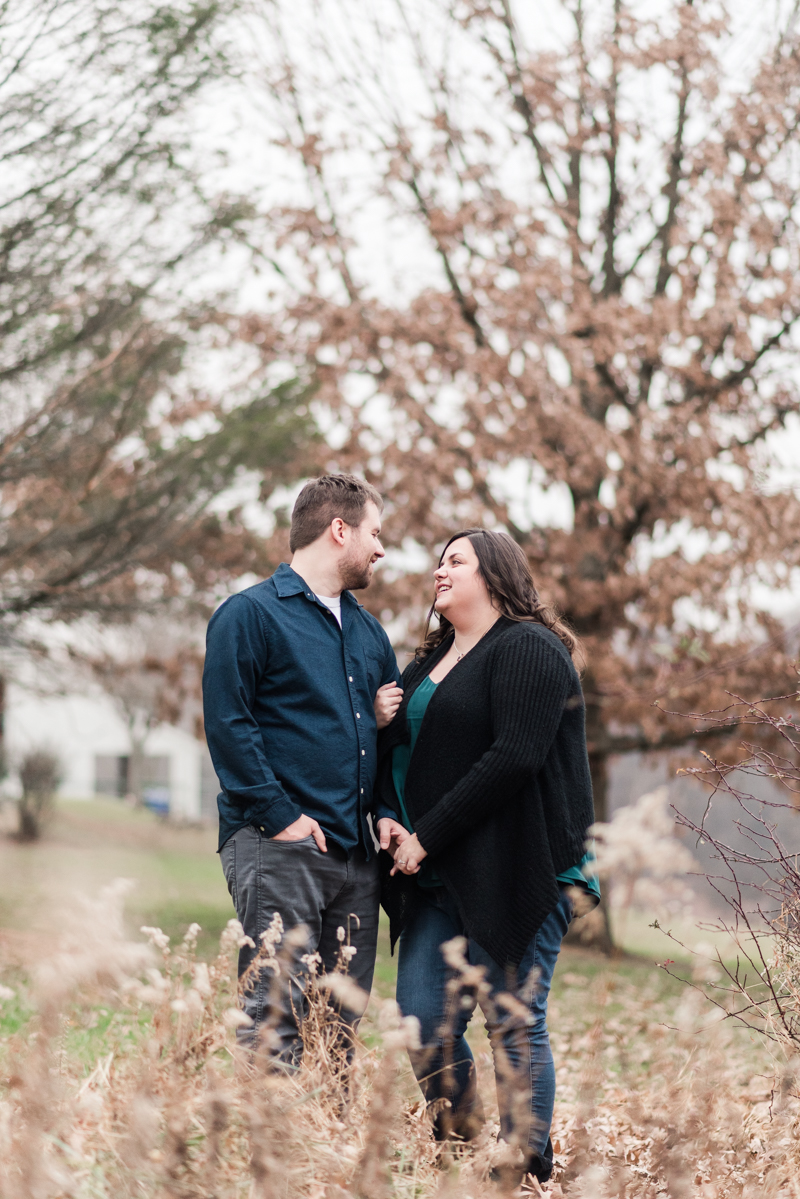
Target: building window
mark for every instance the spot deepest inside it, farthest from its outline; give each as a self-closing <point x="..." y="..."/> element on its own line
<point x="112" y="776"/>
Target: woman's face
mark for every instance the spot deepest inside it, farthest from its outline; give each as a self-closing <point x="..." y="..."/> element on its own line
<point x="460" y="591"/>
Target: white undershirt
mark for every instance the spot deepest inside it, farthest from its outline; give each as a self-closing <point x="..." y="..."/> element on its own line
<point x="335" y="605"/>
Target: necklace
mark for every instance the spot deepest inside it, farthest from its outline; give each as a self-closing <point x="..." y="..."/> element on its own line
<point x="459" y="656"/>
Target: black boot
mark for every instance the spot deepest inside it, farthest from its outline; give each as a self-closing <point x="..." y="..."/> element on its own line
<point x="510" y="1175"/>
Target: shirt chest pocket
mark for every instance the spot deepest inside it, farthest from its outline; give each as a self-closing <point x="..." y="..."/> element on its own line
<point x="374" y="672"/>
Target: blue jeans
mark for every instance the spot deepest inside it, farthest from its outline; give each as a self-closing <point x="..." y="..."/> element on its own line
<point x="445" y="1069"/>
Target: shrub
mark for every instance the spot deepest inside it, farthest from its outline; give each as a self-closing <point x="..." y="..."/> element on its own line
<point x="40" y="774"/>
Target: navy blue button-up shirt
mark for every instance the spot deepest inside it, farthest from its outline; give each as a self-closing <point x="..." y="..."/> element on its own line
<point x="288" y="700"/>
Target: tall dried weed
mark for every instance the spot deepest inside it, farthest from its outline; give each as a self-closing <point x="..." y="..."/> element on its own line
<point x="654" y="1100"/>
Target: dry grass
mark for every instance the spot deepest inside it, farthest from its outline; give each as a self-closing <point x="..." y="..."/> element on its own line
<point x="121" y="1079"/>
<point x="88" y="844"/>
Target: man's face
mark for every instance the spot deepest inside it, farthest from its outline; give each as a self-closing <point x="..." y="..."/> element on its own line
<point x="362" y="551"/>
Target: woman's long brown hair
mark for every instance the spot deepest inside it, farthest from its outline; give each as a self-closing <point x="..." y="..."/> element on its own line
<point x="505" y="570"/>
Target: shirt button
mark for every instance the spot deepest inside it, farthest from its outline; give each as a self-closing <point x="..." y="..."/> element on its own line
<point x="261" y="826"/>
<point x="363" y="752"/>
<point x="362" y="790"/>
<point x="358" y="715"/>
<point x="349" y="678"/>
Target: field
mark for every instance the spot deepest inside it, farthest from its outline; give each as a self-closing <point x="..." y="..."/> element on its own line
<point x="120" y="1076"/>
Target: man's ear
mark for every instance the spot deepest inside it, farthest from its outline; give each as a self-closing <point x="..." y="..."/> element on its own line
<point x="337" y="528"/>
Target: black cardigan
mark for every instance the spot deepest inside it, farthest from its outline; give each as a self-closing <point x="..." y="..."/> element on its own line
<point x="498" y="788"/>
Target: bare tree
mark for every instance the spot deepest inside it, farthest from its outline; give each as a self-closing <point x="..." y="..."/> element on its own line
<point x="95" y="158"/>
<point x="595" y="302"/>
<point x="107" y="506"/>
<point x="112" y="443"/>
<point x="755" y="873"/>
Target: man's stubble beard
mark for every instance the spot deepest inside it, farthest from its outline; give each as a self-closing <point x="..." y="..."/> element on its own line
<point x="355" y="573"/>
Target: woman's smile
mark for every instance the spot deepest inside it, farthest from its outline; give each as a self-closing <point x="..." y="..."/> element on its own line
<point x="458" y="586"/>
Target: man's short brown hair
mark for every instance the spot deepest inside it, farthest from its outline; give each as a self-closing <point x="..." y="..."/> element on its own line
<point x="322" y="500"/>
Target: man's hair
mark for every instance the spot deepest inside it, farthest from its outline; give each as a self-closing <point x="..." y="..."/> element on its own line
<point x="322" y="500"/>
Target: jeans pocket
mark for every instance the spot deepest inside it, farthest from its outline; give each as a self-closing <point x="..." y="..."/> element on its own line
<point x="227" y="857"/>
<point x="298" y="841"/>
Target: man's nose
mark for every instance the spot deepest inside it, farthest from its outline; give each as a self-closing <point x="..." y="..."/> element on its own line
<point x="380" y="552"/>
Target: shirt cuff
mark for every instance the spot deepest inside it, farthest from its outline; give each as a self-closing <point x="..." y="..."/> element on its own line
<point x="278" y="816"/>
<point x="384" y="812"/>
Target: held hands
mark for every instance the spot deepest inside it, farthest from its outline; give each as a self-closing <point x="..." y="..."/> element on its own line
<point x="304" y="826"/>
<point x="408" y="856"/>
<point x="387" y="701"/>
<point x="391" y="834"/>
<point x="402" y="845"/>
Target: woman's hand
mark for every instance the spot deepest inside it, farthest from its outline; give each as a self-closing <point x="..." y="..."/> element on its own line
<point x="409" y="856"/>
<point x="387" y="701"/>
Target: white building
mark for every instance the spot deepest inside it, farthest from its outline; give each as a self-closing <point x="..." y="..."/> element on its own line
<point x="91" y="741"/>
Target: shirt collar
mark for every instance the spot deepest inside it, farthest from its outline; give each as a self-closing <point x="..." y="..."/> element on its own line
<point x="289" y="582"/>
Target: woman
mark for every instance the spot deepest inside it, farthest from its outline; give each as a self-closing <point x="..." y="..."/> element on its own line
<point x="485" y="764"/>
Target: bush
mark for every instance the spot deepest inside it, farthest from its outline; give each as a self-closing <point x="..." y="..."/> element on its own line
<point x="40" y="774"/>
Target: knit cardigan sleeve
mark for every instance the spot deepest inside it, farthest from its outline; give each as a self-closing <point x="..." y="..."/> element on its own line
<point x="531" y="683"/>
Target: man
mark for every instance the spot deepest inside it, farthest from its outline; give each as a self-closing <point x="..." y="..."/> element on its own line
<point x="298" y="676"/>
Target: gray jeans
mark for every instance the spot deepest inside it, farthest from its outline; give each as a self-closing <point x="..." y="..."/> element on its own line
<point x="322" y="891"/>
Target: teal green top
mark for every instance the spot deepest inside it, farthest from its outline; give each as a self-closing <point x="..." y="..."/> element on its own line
<point x="576" y="878"/>
<point x="401" y="758"/>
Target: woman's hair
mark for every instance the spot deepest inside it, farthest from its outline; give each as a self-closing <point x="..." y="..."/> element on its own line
<point x="505" y="570"/>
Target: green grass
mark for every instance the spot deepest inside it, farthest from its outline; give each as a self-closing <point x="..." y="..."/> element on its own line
<point x="176" y="871"/>
<point x="15" y="1013"/>
<point x="90" y="1034"/>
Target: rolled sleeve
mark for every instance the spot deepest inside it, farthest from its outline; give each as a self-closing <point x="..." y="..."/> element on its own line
<point x="236" y="656"/>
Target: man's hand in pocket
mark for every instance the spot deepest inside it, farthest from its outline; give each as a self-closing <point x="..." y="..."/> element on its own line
<point x="304" y="826"/>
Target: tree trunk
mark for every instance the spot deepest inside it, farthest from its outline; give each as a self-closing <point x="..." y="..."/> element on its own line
<point x="29" y="826"/>
<point x="136" y="770"/>
<point x="2" y="726"/>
